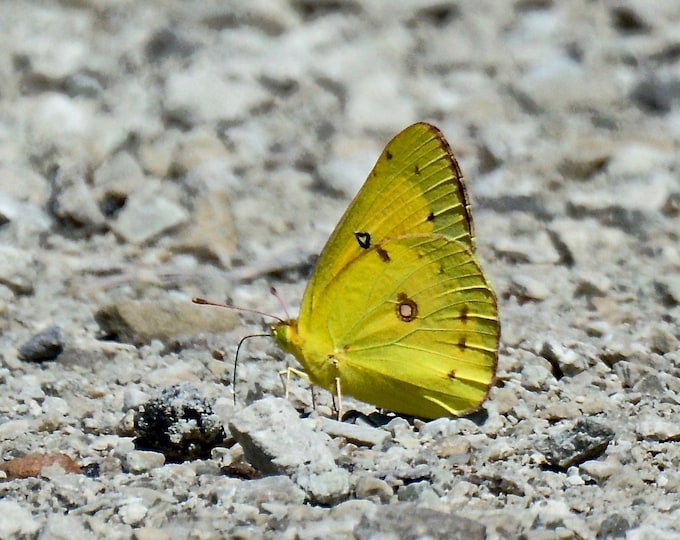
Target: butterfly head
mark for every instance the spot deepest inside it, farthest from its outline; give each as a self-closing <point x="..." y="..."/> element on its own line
<point x="285" y="333"/>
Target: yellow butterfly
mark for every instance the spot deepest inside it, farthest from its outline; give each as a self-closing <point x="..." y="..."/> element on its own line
<point x="398" y="312"/>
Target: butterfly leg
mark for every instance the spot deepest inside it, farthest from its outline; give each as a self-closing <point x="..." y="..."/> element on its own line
<point x="338" y="394"/>
<point x="286" y="381"/>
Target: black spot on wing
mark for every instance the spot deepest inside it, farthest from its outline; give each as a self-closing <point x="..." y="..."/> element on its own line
<point x="363" y="239"/>
<point x="382" y="252"/>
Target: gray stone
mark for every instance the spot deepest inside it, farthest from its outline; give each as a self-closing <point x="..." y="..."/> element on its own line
<point x="64" y="527"/>
<point x="146" y="216"/>
<point x="657" y="428"/>
<point x="615" y="525"/>
<point x="571" y="443"/>
<point x="74" y="202"/>
<point x="323" y="486"/>
<point x="17" y="269"/>
<point x="139" y="322"/>
<point x="210" y="232"/>
<point x="354" y="433"/>
<point x="600" y="471"/>
<point x="276" y="441"/>
<point x="668" y="289"/>
<point x="568" y="361"/>
<point x="388" y="521"/>
<point x="196" y="95"/>
<point x="280" y="489"/>
<point x="141" y="461"/>
<point x="16" y="520"/>
<point x="528" y="288"/>
<point x="374" y="489"/>
<point x="46" y="345"/>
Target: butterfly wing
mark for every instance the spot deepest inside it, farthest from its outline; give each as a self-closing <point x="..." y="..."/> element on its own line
<point x="398" y="308"/>
<point x="415" y="187"/>
<point x="410" y="325"/>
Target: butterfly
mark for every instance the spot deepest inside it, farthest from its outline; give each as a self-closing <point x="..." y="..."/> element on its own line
<point x="398" y="312"/>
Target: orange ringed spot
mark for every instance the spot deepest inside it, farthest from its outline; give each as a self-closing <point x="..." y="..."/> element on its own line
<point x="407" y="309"/>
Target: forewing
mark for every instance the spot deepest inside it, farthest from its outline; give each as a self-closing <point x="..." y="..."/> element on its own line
<point x="416" y="187"/>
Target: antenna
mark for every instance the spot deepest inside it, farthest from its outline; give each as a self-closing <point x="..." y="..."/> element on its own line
<point x="204" y="302"/>
<point x="283" y="304"/>
<point x="238" y="349"/>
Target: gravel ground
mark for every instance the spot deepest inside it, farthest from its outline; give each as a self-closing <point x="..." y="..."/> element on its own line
<point x="153" y="151"/>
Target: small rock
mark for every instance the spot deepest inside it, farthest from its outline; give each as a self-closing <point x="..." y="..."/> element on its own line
<point x="73" y="201"/>
<point x="17" y="269"/>
<point x="657" y="429"/>
<point x="420" y="492"/>
<point x="115" y="181"/>
<point x="537" y="248"/>
<point x="65" y="527"/>
<point x="179" y="423"/>
<point x="323" y="487"/>
<point x="55" y="412"/>
<point x="600" y="471"/>
<point x="661" y="339"/>
<point x="585" y="239"/>
<point x="638" y="159"/>
<point x="211" y="231"/>
<point x="406" y="520"/>
<point x="356" y="434"/>
<point x="536" y="377"/>
<point x="24" y="217"/>
<point x="615" y="526"/>
<point x="564" y="360"/>
<point x="569" y="444"/>
<point x="650" y="384"/>
<point x="196" y="95"/>
<point x="592" y="284"/>
<point x="157" y="156"/>
<point x="56" y="59"/>
<point x="379" y="97"/>
<point x="280" y="489"/>
<point x="668" y="288"/>
<point x="141" y="461"/>
<point x="196" y="148"/>
<point x="141" y="321"/>
<point x="276" y="441"/>
<point x="133" y="512"/>
<point x="528" y="288"/>
<point x="16" y="521"/>
<point x="146" y="216"/>
<point x="374" y="489"/>
<point x="21" y="186"/>
<point x="46" y="345"/>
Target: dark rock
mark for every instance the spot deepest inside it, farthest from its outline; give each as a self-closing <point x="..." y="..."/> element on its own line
<point x="46" y="345"/>
<point x="180" y="423"/>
